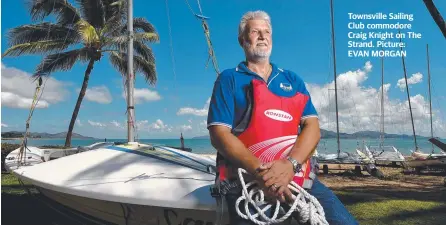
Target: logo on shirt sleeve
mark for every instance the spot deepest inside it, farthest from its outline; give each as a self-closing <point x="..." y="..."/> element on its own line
<point x="279" y="115"/>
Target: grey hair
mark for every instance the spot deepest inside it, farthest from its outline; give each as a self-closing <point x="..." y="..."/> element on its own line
<point x="252" y="15"/>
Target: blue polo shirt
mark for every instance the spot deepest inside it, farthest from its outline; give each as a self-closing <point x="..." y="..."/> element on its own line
<point x="229" y="103"/>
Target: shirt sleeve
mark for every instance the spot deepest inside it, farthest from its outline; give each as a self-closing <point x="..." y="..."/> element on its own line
<point x="221" y="106"/>
<point x="309" y="110"/>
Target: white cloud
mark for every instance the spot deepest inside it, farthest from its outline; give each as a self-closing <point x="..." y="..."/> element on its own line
<point x="117" y="124"/>
<point x="78" y="122"/>
<point x="18" y="89"/>
<point x="99" y="94"/>
<point x="16" y="101"/>
<point x="4" y="125"/>
<point x="414" y="79"/>
<point x="195" y="111"/>
<point x="359" y="107"/>
<point x="96" y="124"/>
<point x="143" y="95"/>
<point x="158" y="126"/>
<point x="186" y="127"/>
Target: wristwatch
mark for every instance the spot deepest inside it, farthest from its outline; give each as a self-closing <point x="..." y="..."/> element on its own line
<point x="296" y="165"/>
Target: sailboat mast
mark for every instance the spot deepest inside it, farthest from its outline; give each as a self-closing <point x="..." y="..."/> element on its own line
<point x="430" y="98"/>
<point x="382" y="103"/>
<point x="334" y="68"/>
<point x="408" y="98"/>
<point x="130" y="78"/>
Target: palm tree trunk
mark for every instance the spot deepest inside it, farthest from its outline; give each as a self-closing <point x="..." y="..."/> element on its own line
<point x="436" y="16"/>
<point x="79" y="102"/>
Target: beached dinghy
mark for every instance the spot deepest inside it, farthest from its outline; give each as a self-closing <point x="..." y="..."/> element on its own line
<point x="423" y="160"/>
<point x="383" y="154"/>
<point x="32" y="155"/>
<point x="130" y="184"/>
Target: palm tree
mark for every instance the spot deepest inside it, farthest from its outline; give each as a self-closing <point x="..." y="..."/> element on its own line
<point x="436" y="16"/>
<point x="98" y="27"/>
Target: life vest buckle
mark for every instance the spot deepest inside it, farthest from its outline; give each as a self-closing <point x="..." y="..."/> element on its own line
<point x="215" y="191"/>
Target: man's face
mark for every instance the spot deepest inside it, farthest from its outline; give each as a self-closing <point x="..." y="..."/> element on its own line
<point x="257" y="40"/>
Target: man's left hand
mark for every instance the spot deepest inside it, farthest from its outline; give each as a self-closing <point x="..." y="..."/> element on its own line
<point x="280" y="174"/>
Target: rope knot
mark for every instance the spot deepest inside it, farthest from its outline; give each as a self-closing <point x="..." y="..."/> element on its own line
<point x="305" y="206"/>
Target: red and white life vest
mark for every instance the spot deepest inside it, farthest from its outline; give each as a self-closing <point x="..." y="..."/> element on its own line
<point x="272" y="130"/>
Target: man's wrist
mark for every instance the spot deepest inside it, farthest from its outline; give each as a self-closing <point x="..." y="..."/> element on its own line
<point x="254" y="167"/>
<point x="296" y="166"/>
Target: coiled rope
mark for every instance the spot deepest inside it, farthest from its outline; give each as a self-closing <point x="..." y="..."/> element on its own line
<point x="305" y="205"/>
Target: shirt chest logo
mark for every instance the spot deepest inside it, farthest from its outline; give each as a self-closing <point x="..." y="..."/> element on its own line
<point x="286" y="87"/>
<point x="279" y="115"/>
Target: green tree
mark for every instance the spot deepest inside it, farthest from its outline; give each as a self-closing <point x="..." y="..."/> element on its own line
<point x="85" y="34"/>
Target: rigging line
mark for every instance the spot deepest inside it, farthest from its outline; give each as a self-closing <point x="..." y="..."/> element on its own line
<point x="192" y="11"/>
<point x="172" y="55"/>
<point x="208" y="37"/>
<point x="32" y="108"/>
<point x="199" y="7"/>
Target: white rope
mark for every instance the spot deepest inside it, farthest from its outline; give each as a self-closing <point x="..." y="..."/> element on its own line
<point x="307" y="206"/>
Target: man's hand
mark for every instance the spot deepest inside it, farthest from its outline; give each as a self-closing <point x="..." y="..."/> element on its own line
<point x="270" y="196"/>
<point x="280" y="173"/>
<point x="275" y="177"/>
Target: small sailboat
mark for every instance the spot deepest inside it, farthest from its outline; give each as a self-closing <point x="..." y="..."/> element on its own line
<point x="341" y="157"/>
<point x="382" y="154"/>
<point x="420" y="160"/>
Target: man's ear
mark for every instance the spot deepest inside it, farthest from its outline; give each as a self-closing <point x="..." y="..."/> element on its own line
<point x="240" y="41"/>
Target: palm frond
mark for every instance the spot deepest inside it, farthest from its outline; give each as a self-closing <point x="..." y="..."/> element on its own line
<point x="112" y="27"/>
<point x="147" y="68"/>
<point x="122" y="40"/>
<point x="144" y="51"/>
<point x="62" y="61"/>
<point x="41" y="32"/>
<point x="46" y="46"/>
<point x="115" y="8"/>
<point x="141" y="24"/>
<point x="140" y="48"/>
<point x="88" y="33"/>
<point x="119" y="61"/>
<point x="93" y="11"/>
<point x="65" y="12"/>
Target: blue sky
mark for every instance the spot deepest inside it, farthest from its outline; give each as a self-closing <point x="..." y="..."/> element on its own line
<point x="301" y="37"/>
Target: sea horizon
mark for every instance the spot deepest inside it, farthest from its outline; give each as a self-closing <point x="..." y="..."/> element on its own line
<point x="204" y="146"/>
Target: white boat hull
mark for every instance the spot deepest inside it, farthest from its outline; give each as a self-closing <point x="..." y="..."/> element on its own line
<point x="132" y="214"/>
<point x="130" y="184"/>
<point x="147" y="186"/>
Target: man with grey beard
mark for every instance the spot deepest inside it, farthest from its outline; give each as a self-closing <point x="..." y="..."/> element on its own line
<point x="255" y="111"/>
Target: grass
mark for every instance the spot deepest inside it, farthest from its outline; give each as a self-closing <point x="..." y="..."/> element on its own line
<point x="377" y="209"/>
<point x="368" y="205"/>
<point x="20" y="208"/>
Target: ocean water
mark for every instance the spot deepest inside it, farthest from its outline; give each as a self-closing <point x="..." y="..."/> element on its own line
<point x="203" y="146"/>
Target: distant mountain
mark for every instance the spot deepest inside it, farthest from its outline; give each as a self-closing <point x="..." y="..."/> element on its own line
<point x="361" y="134"/>
<point x="18" y="134"/>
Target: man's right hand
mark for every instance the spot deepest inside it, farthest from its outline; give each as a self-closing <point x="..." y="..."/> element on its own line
<point x="283" y="194"/>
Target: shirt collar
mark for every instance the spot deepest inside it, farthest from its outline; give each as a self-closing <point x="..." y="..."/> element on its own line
<point x="244" y="69"/>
